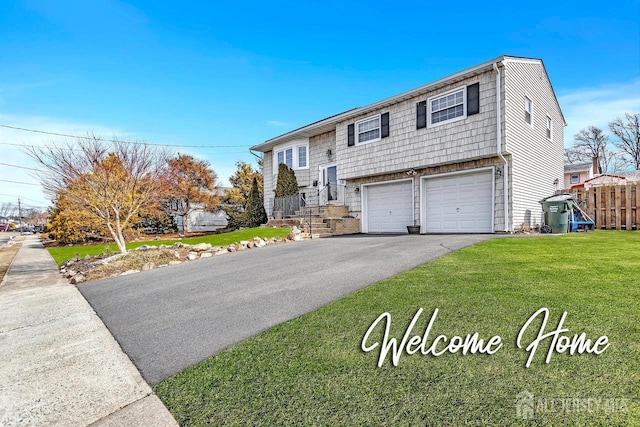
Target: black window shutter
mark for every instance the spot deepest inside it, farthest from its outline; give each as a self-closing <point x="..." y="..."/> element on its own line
<point x="421" y="115"/>
<point x="351" y="135"/>
<point x="473" y="99"/>
<point x="384" y="125"/>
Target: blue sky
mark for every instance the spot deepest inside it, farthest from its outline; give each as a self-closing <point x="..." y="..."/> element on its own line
<point x="236" y="74"/>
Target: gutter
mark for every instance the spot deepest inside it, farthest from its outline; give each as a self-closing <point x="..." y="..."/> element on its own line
<point x="505" y="168"/>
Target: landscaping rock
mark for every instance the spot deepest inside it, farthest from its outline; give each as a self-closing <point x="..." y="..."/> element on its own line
<point x="200" y="247"/>
<point x="239" y="247"/>
<point x="244" y="243"/>
<point x="192" y="256"/>
<point x="259" y="242"/>
<point x="176" y="254"/>
<point x="78" y="278"/>
<point x="222" y="251"/>
<point x="175" y="262"/>
<point x="213" y="250"/>
<point x="250" y="245"/>
<point x="148" y="266"/>
<point x="291" y="236"/>
<point x="206" y="255"/>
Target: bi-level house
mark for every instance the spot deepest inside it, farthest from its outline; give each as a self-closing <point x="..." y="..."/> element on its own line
<point x="473" y="152"/>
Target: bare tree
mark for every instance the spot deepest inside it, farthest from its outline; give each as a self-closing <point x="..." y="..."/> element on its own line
<point x="589" y="143"/>
<point x="628" y="131"/>
<point x="112" y="182"/>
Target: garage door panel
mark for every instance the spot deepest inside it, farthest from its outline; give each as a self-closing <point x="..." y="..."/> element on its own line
<point x="461" y="203"/>
<point x="389" y="207"/>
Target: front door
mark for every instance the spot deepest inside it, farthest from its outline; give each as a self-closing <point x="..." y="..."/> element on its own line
<point x="329" y="180"/>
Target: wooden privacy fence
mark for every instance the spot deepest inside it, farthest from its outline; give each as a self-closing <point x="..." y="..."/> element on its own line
<point x="615" y="207"/>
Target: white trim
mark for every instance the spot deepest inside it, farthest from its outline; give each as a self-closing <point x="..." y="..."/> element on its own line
<point x="577" y="181"/>
<point x="364" y="220"/>
<point x="293" y="146"/>
<point x="366" y="119"/>
<point x="423" y="201"/>
<point x="526" y="96"/>
<point x="549" y="128"/>
<point x="442" y="95"/>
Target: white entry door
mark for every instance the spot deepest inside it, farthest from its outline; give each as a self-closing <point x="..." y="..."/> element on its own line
<point x="459" y="203"/>
<point x="388" y="207"/>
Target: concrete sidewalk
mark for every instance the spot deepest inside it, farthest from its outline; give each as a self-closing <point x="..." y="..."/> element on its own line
<point x="59" y="365"/>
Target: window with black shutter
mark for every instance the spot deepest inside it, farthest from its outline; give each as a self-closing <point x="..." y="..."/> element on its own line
<point x="351" y="135"/>
<point x="473" y="99"/>
<point x="421" y="115"/>
<point x="384" y="125"/>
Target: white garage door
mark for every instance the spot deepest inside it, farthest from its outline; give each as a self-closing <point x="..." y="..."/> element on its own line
<point x="460" y="203"/>
<point x="389" y="207"/>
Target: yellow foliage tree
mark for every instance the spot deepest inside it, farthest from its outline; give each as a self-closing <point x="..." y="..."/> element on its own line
<point x="109" y="186"/>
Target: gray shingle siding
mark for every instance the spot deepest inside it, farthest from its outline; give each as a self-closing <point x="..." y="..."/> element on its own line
<point x="408" y="147"/>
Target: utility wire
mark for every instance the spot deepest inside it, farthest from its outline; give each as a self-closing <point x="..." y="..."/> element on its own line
<point x="19" y="182"/>
<point x="113" y="140"/>
<point x="20" y="167"/>
<point x="21" y="197"/>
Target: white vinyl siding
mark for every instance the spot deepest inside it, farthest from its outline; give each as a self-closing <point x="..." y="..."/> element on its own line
<point x="536" y="161"/>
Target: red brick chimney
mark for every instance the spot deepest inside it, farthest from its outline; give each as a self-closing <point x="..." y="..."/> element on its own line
<point x="596" y="166"/>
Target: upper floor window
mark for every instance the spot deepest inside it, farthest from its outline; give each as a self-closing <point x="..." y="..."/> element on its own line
<point x="528" y="111"/>
<point x="368" y="130"/>
<point x="302" y="156"/>
<point x="575" y="179"/>
<point x="448" y="107"/>
<point x="286" y="157"/>
<point x="295" y="156"/>
<point x="549" y="128"/>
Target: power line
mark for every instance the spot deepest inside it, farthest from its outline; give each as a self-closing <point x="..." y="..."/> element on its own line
<point x="22" y="197"/>
<point x="19" y="182"/>
<point x="20" y="167"/>
<point x="113" y="140"/>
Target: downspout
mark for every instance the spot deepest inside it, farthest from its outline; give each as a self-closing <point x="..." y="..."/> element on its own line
<point x="505" y="168"/>
<point x="259" y="158"/>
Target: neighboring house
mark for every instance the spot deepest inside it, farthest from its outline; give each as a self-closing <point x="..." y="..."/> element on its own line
<point x="576" y="175"/>
<point x="202" y="220"/>
<point x="602" y="180"/>
<point x="472" y="152"/>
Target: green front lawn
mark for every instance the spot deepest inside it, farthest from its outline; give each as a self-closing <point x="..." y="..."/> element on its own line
<point x="63" y="253"/>
<point x="312" y="371"/>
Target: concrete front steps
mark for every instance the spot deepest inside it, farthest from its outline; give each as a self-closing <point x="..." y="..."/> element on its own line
<point x="321" y="221"/>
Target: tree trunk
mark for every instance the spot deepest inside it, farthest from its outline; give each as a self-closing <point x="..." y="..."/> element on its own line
<point x="118" y="238"/>
<point x="184" y="223"/>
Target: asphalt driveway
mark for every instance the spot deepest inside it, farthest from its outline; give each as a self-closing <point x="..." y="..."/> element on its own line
<point x="171" y="318"/>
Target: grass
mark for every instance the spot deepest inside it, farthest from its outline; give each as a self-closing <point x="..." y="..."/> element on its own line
<point x="62" y="253"/>
<point x="311" y="370"/>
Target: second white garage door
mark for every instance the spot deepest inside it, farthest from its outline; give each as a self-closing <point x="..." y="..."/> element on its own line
<point x="459" y="203"/>
<point x="389" y="207"/>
